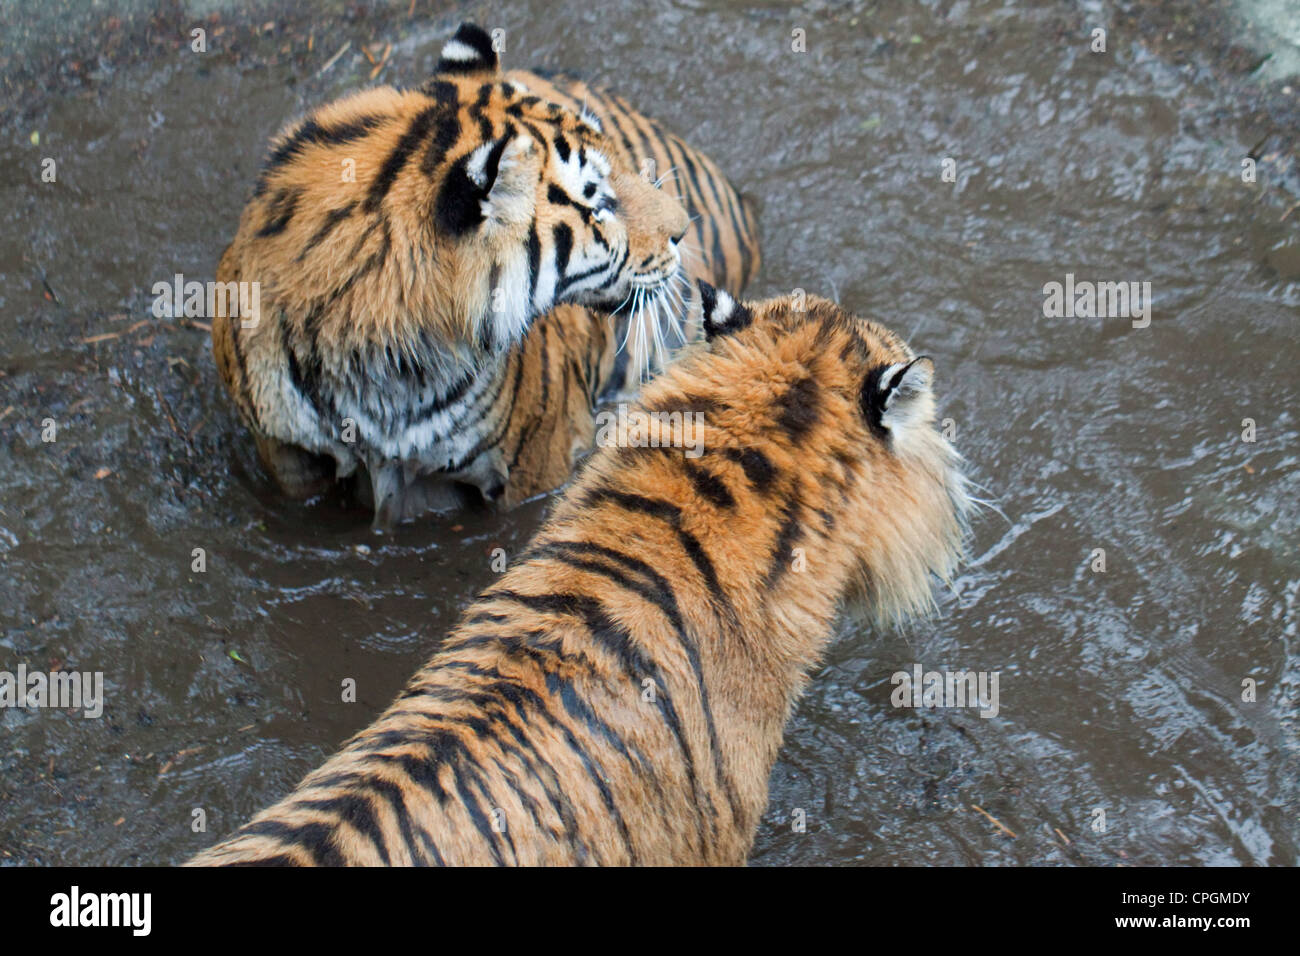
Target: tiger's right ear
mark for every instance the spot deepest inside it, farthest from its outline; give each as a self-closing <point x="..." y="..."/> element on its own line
<point x="723" y="315"/>
<point x="469" y="51"/>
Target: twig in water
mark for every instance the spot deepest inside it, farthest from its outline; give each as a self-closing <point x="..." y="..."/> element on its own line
<point x="334" y="59"/>
<point x="993" y="820"/>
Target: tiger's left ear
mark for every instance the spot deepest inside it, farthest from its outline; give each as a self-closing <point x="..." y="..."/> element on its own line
<point x="723" y="315"/>
<point x="492" y="182"/>
<point x="469" y="51"/>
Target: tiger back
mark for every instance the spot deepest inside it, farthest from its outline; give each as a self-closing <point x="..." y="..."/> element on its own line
<point x="619" y="696"/>
<point x="437" y="271"/>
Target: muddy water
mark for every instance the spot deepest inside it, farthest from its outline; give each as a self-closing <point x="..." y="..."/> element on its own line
<point x="1120" y="692"/>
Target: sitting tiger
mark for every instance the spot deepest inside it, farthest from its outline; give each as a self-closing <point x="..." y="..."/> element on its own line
<point x="619" y="696"/>
<point x="436" y="269"/>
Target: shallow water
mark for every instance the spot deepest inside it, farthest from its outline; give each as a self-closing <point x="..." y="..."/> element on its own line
<point x="1119" y="691"/>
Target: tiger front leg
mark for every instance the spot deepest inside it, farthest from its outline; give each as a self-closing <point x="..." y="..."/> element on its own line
<point x="406" y="491"/>
<point x="299" y="473"/>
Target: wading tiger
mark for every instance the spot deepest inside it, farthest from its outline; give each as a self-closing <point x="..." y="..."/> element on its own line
<point x="619" y="696"/>
<point x="436" y="271"/>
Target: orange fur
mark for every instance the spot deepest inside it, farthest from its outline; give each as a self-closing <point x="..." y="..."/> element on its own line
<point x="377" y="299"/>
<point x="620" y="695"/>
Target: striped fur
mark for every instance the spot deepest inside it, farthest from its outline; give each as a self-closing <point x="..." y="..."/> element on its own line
<point x="437" y="268"/>
<point x="619" y="696"/>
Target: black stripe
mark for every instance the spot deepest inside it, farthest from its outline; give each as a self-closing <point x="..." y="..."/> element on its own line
<point x="709" y="486"/>
<point x="445" y="134"/>
<point x="673" y="516"/>
<point x="312" y="133"/>
<point x="757" y="466"/>
<point x="362" y="240"/>
<point x="562" y="235"/>
<point x="729" y="202"/>
<point x="449" y="397"/>
<point x="282" y="207"/>
<point x="476" y="111"/>
<point x="701" y="206"/>
<point x="446" y="750"/>
<point x="414" y="135"/>
<point x="445" y="93"/>
<point x="494" y="696"/>
<point x="305" y="377"/>
<point x="614" y="116"/>
<point x="538" y="137"/>
<point x="615" y="272"/>
<point x="504" y="420"/>
<point x="475" y="774"/>
<point x="355" y="810"/>
<point x="332" y="219"/>
<point x="798" y="408"/>
<point x="708" y="180"/>
<point x="317" y="839"/>
<point x="647" y="142"/>
<point x="534" y="260"/>
<point x="574" y="745"/>
<point x="531" y="805"/>
<point x="562" y="147"/>
<point x="616" y="641"/>
<point x="396" y="798"/>
<point x="245" y="401"/>
<point x="569" y="281"/>
<point x="558" y="197"/>
<point x="791" y="529"/>
<point x="659" y="592"/>
<point x="648" y="667"/>
<point x="374" y="261"/>
<point x="544" y="371"/>
<point x="360" y="780"/>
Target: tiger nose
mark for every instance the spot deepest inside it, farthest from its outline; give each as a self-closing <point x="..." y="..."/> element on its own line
<point x="679" y="237"/>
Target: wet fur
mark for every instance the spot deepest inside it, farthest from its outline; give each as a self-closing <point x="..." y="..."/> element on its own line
<point x="377" y="295"/>
<point x="657" y="571"/>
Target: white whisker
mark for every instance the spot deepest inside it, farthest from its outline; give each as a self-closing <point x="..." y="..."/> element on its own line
<point x="686" y="248"/>
<point x="631" y="318"/>
<point x="661" y="348"/>
<point x="985" y="503"/>
<point x="624" y="302"/>
<point x="642" y="344"/>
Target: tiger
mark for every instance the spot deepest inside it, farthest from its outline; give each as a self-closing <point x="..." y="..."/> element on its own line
<point x="436" y="270"/>
<point x="618" y="697"/>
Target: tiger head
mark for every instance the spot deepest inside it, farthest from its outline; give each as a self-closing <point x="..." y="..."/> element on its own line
<point x="530" y="204"/>
<point x="844" y="411"/>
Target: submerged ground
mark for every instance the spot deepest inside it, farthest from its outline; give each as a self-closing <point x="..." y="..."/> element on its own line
<point x="1122" y="735"/>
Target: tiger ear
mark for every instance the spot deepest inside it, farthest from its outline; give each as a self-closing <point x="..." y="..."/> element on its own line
<point x="492" y="181"/>
<point x="469" y="51"/>
<point x="898" y="397"/>
<point x="723" y="315"/>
